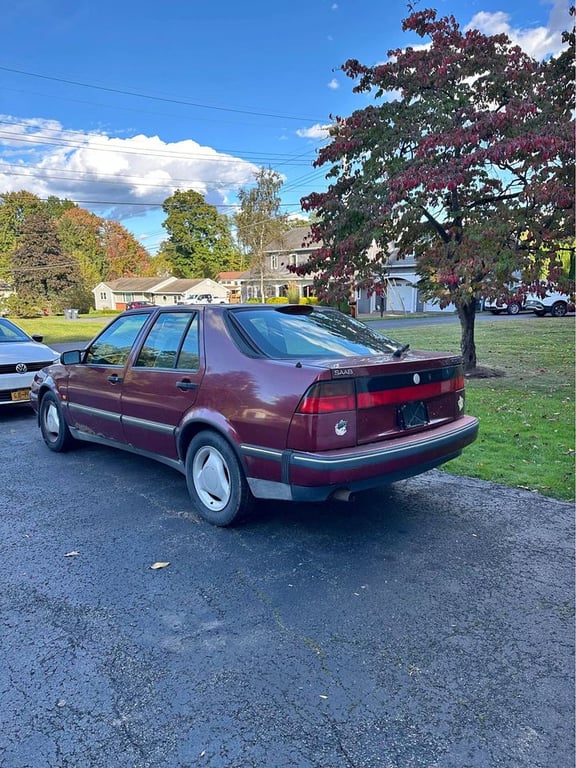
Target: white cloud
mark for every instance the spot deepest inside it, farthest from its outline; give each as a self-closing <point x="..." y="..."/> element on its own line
<point x="334" y="84"/>
<point x="538" y="42"/>
<point x="314" y="132"/>
<point x="44" y="158"/>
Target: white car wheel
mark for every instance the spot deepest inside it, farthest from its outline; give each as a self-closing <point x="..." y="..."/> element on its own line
<point x="216" y="479"/>
<point x="53" y="426"/>
<point x="211" y="478"/>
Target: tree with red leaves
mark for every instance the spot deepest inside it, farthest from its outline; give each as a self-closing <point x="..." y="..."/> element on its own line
<point x="465" y="161"/>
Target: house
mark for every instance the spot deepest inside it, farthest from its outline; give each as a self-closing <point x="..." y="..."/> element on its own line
<point x="232" y="281"/>
<point x="399" y="276"/>
<point x="115" y="294"/>
<point x="400" y="288"/>
<point x="291" y="249"/>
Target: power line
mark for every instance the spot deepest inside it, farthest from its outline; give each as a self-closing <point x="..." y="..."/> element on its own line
<point x="133" y="181"/>
<point x="209" y="156"/>
<point x="159" y="98"/>
<point x="149" y="204"/>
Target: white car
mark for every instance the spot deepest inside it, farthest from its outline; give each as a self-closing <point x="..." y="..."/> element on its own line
<point x="204" y="298"/>
<point x="512" y="306"/>
<point x="21" y="356"/>
<point x="557" y="304"/>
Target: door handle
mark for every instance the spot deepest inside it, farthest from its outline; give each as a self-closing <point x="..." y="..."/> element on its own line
<point x="185" y="384"/>
<point x="115" y="379"/>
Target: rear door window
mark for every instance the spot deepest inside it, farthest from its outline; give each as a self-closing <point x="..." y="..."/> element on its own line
<point x="171" y="343"/>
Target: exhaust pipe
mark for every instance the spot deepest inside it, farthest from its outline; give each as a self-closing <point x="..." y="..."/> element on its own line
<point x="342" y="494"/>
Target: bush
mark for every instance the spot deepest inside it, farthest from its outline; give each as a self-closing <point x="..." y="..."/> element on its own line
<point x="76" y="298"/>
<point x="14" y="306"/>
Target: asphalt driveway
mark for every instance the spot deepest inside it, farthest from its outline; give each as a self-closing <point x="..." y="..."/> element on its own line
<point x="428" y="625"/>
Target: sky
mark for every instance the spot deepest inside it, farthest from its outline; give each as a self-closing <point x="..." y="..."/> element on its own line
<point x="115" y="105"/>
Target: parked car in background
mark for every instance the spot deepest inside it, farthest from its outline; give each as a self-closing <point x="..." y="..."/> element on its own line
<point x="284" y="402"/>
<point x="21" y="356"/>
<point x="204" y="298"/>
<point x="138" y="304"/>
<point x="553" y="303"/>
<point x="512" y="305"/>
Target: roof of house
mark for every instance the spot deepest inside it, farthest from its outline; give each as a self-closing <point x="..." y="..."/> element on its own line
<point x="292" y="240"/>
<point x="181" y="285"/>
<point x="155" y="284"/>
<point x="231" y="275"/>
<point x="134" y="283"/>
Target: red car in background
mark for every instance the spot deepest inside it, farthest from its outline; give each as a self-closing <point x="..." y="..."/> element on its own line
<point x="288" y="402"/>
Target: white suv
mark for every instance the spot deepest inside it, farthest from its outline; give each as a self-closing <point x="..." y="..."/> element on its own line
<point x="557" y="304"/>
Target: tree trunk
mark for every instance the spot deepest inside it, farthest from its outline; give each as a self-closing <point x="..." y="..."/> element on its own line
<point x="467" y="315"/>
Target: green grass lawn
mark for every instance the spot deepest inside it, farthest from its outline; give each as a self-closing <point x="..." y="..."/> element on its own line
<point x="59" y="330"/>
<point x="526" y="415"/>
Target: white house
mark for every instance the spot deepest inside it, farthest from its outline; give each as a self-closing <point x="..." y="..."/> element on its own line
<point x="115" y="294"/>
<point x="400" y="291"/>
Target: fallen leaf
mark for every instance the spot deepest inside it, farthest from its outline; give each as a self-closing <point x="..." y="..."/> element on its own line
<point x="157" y="566"/>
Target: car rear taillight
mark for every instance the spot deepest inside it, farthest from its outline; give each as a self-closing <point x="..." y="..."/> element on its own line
<point x="402" y="394"/>
<point x="329" y="397"/>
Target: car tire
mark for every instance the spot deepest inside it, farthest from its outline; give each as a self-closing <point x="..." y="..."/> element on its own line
<point x="558" y="309"/>
<point x="53" y="426"/>
<point x="513" y="309"/>
<point x="216" y="481"/>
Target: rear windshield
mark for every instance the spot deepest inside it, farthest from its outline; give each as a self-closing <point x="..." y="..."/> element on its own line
<point x="300" y="331"/>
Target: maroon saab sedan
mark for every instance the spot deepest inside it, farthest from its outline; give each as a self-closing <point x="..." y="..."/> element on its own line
<point x="289" y="402"/>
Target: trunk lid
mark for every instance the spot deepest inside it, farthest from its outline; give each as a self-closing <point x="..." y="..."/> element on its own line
<point x="363" y="400"/>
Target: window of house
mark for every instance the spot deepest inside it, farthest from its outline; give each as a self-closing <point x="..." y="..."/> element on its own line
<point x="274" y="261"/>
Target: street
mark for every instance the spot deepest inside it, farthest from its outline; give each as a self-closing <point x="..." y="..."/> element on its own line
<point x="426" y="625"/>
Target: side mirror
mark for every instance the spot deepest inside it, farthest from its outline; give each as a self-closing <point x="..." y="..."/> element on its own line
<point x="37" y="337"/>
<point x="71" y="357"/>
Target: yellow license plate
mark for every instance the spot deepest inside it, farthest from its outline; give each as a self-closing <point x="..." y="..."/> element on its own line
<point x="20" y="394"/>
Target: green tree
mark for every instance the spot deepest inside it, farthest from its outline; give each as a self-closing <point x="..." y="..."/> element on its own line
<point x="466" y="161"/>
<point x="258" y="220"/>
<point x="200" y="242"/>
<point x="55" y="207"/>
<point x="14" y="207"/>
<point x="42" y="274"/>
<point x="81" y="238"/>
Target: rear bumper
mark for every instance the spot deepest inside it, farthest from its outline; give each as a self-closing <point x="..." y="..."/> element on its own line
<point x="317" y="476"/>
